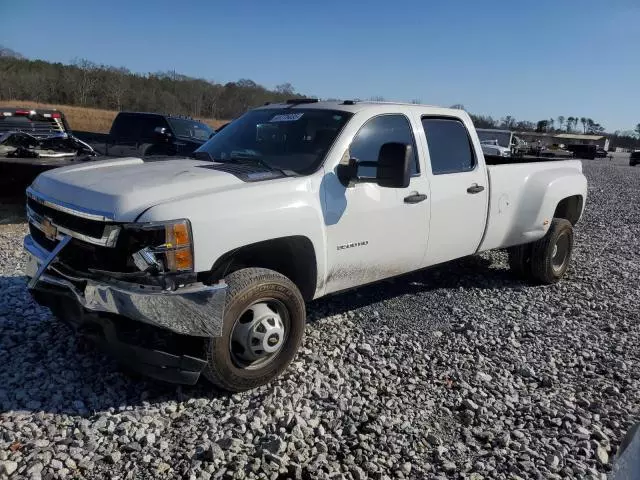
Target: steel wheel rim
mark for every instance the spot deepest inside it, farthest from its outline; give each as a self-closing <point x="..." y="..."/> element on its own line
<point x="259" y="334"/>
<point x="560" y="252"/>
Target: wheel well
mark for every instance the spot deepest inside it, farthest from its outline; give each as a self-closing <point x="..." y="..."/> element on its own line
<point x="294" y="257"/>
<point x="569" y="208"/>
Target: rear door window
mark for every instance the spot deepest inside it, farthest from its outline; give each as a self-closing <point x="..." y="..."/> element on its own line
<point x="450" y="148"/>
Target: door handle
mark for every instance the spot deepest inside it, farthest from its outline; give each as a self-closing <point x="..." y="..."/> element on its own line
<point x="475" y="188"/>
<point x="415" y="198"/>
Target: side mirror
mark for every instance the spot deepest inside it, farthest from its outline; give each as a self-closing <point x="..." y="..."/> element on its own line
<point x="392" y="170"/>
<point x="394" y="165"/>
<point x="162" y="132"/>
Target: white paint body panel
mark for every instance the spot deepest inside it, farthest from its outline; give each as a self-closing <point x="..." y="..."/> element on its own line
<point x="458" y="218"/>
<point x="227" y="213"/>
<point x="524" y="198"/>
<point x="126" y="187"/>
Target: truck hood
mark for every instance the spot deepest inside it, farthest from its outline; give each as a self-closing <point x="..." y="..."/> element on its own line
<point x="124" y="188"/>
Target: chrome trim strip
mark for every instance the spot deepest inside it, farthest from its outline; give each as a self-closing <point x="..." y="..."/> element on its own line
<point x="109" y="235"/>
<point x="47" y="261"/>
<point x="68" y="208"/>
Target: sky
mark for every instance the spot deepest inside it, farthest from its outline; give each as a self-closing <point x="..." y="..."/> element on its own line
<point x="531" y="60"/>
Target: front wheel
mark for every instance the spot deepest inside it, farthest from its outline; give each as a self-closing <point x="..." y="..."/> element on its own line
<point x="263" y="325"/>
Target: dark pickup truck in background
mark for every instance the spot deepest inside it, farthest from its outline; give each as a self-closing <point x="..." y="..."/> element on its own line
<point x="142" y="134"/>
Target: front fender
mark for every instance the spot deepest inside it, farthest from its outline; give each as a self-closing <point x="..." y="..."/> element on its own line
<point x="224" y="221"/>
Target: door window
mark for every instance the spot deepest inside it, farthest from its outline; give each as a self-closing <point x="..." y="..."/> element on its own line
<point x="149" y="124"/>
<point x="125" y="126"/>
<point x="450" y="148"/>
<point x="375" y="133"/>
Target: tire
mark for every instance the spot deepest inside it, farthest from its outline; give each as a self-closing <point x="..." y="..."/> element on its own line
<point x="248" y="290"/>
<point x="628" y="438"/>
<point x="520" y="260"/>
<point x="550" y="256"/>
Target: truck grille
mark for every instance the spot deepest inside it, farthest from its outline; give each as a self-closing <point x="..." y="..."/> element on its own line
<point x="84" y="226"/>
<point x="53" y="221"/>
<point x="81" y="256"/>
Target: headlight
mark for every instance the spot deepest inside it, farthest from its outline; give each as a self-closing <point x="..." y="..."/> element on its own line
<point x="163" y="246"/>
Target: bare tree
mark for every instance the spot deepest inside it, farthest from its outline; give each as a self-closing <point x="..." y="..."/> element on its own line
<point x="88" y="79"/>
<point x="117" y="86"/>
<point x="561" y="122"/>
<point x="508" y="122"/>
<point x="285" y="89"/>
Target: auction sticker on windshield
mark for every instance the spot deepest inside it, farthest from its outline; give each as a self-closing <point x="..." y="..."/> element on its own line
<point x="287" y="117"/>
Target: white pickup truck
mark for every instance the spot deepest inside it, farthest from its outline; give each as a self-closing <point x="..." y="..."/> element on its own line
<point x="202" y="265"/>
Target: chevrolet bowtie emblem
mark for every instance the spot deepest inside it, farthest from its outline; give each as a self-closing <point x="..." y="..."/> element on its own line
<point x="49" y="229"/>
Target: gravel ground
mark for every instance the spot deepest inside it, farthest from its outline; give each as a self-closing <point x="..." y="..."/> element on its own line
<point x="461" y="371"/>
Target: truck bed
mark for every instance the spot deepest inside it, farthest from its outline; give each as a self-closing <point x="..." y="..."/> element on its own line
<point x="519" y="192"/>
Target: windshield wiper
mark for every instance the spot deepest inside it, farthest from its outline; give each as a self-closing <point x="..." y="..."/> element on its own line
<point x="242" y="158"/>
<point x="245" y="157"/>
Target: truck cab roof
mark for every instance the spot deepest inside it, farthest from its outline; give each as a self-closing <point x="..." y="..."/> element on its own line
<point x="355" y="106"/>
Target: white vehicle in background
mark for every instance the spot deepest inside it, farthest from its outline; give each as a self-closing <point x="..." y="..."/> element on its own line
<point x="501" y="143"/>
<point x="491" y="147"/>
<point x="203" y="265"/>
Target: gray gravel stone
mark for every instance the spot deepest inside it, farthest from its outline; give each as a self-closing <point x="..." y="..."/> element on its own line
<point x="114" y="457"/>
<point x="603" y="456"/>
<point x="214" y="452"/>
<point x="449" y="467"/>
<point x="8" y="467"/>
<point x="553" y="461"/>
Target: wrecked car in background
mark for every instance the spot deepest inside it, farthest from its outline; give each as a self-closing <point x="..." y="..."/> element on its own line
<point x="35" y="140"/>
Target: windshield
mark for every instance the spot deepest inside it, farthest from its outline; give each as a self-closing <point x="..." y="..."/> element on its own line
<point x="190" y="128"/>
<point x="281" y="138"/>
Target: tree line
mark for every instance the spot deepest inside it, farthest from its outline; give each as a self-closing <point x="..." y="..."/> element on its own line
<point x="84" y="83"/>
<point x="562" y="124"/>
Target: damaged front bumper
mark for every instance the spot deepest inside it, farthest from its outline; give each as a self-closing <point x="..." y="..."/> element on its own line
<point x="195" y="310"/>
